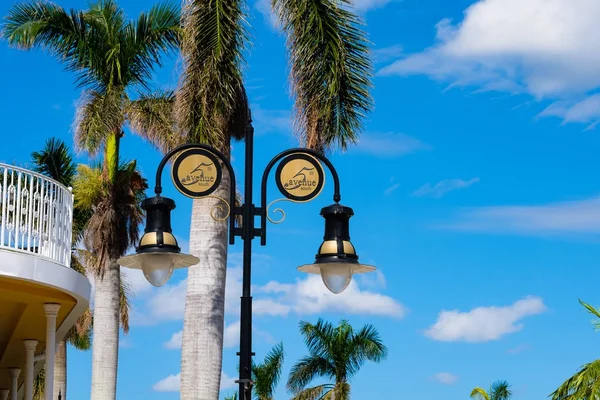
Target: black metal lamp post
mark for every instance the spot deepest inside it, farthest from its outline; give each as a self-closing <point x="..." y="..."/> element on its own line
<point x="197" y="173"/>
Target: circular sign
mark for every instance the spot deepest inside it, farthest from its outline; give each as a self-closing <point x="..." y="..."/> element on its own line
<point x="196" y="173"/>
<point x="300" y="177"/>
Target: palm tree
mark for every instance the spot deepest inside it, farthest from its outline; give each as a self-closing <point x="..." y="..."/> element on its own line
<point x="500" y="390"/>
<point x="331" y="77"/>
<point x="266" y="375"/>
<point x="335" y="353"/>
<point x="585" y="384"/>
<point x="110" y="56"/>
<point x="234" y="396"/>
<point x="56" y="162"/>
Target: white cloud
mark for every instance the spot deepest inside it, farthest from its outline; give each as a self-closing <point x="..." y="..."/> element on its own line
<point x="264" y="8"/>
<point x="231" y="335"/>
<point x="445" y="378"/>
<point x="546" y="48"/>
<point x="172" y="383"/>
<point x="271" y="121"/>
<point x="391" y="189"/>
<point x="136" y="280"/>
<point x="385" y="54"/>
<point x="484" y="324"/>
<point x="518" y="349"/>
<point x="305" y="296"/>
<point x="441" y="188"/>
<point x="389" y="144"/>
<point x="310" y="296"/>
<point x="175" y="341"/>
<point x="561" y="218"/>
<point x="363" y="6"/>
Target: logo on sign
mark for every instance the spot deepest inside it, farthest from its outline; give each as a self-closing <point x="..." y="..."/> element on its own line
<point x="196" y="173"/>
<point x="300" y="177"/>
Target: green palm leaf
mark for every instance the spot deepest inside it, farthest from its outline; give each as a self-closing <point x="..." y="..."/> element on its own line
<point x="267" y="375"/>
<point x="500" y="390"/>
<point x="585" y="384"/>
<point x="479" y="394"/>
<point x="151" y="116"/>
<point x="330" y="70"/>
<point x="211" y="97"/>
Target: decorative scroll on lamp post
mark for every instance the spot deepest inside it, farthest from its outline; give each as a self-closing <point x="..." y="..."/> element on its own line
<point x="196" y="172"/>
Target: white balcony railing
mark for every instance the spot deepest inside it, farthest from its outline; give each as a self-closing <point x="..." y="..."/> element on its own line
<point x="36" y="214"/>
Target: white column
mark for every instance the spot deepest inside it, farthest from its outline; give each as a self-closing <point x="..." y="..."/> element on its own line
<point x="30" y="346"/>
<point x="3" y="394"/>
<point x="51" y="313"/>
<point x="14" y="383"/>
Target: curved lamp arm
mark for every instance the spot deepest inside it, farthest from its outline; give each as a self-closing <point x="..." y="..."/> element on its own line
<point x="263" y="190"/>
<point x="220" y="156"/>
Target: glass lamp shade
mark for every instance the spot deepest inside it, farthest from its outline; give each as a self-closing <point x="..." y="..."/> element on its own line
<point x="158" y="266"/>
<point x="336" y="273"/>
<point x="336" y="276"/>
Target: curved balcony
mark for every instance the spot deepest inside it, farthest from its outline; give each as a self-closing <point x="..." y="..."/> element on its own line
<point x="37" y="214"/>
<point x="41" y="297"/>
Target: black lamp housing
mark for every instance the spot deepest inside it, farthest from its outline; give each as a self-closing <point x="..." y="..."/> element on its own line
<point x="158" y="236"/>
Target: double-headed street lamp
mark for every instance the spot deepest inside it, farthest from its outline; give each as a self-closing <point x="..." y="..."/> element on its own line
<point x="197" y="172"/>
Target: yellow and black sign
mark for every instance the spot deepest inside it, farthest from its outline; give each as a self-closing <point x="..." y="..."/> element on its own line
<point x="196" y="173"/>
<point x="300" y="177"/>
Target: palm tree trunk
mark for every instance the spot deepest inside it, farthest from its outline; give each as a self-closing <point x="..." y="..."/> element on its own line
<point x="60" y="370"/>
<point x="202" y="342"/>
<point x="105" y="346"/>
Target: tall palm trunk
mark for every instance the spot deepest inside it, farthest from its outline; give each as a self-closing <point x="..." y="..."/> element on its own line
<point x="202" y="342"/>
<point x="60" y="370"/>
<point x="105" y="346"/>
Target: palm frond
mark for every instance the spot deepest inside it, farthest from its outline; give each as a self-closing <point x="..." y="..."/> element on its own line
<point x="307" y="369"/>
<point x="365" y="345"/>
<point x="40" y="23"/>
<point x="266" y="375"/>
<point x="320" y="392"/>
<point x="318" y="337"/>
<point x="114" y="225"/>
<point x="55" y="161"/>
<point x="234" y="396"/>
<point x="151" y="116"/>
<point x="479" y="394"/>
<point x="500" y="390"/>
<point x="154" y="34"/>
<point x="585" y="384"/>
<point x="330" y="70"/>
<point x="594" y="311"/>
<point x="89" y="187"/>
<point x="211" y="91"/>
<point x="98" y="116"/>
<point x="125" y="294"/>
<point x="39" y="385"/>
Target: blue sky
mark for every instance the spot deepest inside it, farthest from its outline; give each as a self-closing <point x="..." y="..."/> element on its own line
<point x="473" y="187"/>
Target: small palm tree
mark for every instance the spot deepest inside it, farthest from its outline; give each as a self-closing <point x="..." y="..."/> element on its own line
<point x="111" y="56"/>
<point x="234" y="396"/>
<point x="500" y="390"/>
<point x="335" y="353"/>
<point x="266" y="375"/>
<point x="585" y="384"/>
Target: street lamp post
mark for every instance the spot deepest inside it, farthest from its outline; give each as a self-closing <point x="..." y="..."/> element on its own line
<point x="196" y="172"/>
